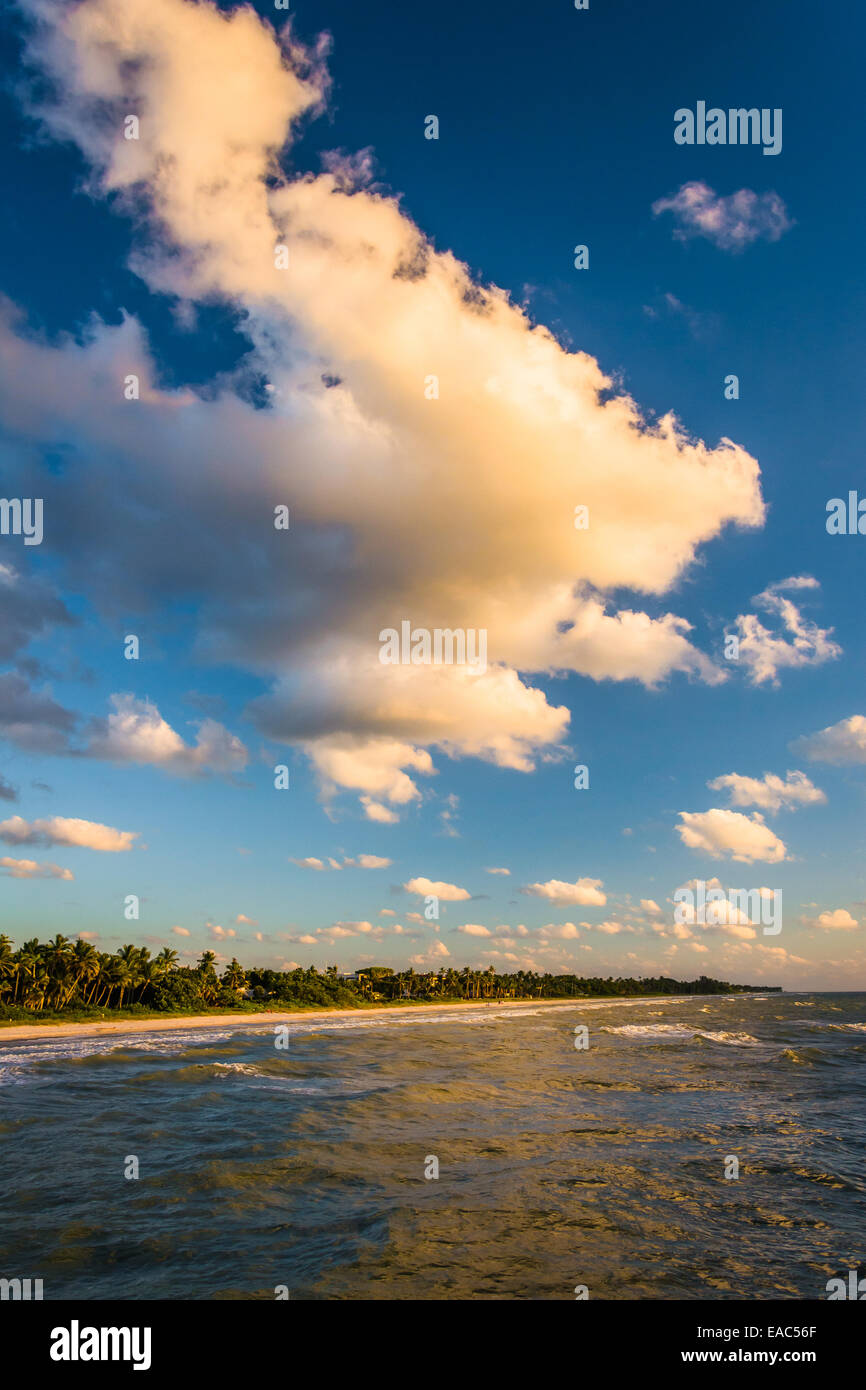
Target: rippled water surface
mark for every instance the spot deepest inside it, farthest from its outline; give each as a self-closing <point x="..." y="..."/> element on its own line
<point x="557" y="1166"/>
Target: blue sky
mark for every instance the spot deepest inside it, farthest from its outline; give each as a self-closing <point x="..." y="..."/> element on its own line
<point x="556" y="129"/>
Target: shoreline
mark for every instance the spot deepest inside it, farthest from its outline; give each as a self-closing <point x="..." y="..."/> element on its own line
<point x="22" y="1032"/>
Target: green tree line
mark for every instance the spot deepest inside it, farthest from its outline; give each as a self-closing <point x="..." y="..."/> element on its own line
<point x="64" y="976"/>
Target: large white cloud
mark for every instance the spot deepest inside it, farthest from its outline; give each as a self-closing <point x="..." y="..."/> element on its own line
<point x="455" y="512"/>
<point x="729" y="834"/>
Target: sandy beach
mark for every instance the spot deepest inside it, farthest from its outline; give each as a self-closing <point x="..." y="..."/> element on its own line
<point x="23" y="1031"/>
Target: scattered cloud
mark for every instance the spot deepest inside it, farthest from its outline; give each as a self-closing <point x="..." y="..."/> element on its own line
<point x="837" y="920"/>
<point x="586" y="891"/>
<point x="59" y="830"/>
<point x="28" y="868"/>
<point x="731" y="223"/>
<point x="437" y="953"/>
<point x="425" y="888"/>
<point x="363" y="861"/>
<point x="770" y="792"/>
<point x="765" y="653"/>
<point x="561" y="931"/>
<point x="843" y="743"/>
<point x="137" y="733"/>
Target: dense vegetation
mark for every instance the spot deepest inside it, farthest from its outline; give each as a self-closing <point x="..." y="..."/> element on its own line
<point x="74" y="978"/>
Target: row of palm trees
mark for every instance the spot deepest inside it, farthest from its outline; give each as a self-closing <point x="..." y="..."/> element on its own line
<point x="63" y="974"/>
<point x="50" y="975"/>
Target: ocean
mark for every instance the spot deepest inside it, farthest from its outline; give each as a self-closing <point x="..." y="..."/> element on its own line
<point x="311" y="1169"/>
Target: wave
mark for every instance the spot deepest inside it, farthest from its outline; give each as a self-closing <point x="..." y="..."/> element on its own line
<point x="680" y="1032"/>
<point x="835" y="1027"/>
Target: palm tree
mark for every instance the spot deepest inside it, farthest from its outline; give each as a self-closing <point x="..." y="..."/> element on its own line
<point x="56" y="956"/>
<point x="83" y="966"/>
<point x="209" y="982"/>
<point x="234" y="976"/>
<point x="164" y="963"/>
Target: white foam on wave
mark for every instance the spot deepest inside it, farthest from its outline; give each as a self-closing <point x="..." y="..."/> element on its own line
<point x="175" y="1040"/>
<point x="669" y="1032"/>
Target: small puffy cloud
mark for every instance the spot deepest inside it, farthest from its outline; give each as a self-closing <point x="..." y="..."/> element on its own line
<point x="342" y="929"/>
<point x="497" y="871"/>
<point x="309" y="863"/>
<point x="801" y="643"/>
<point x="387" y="912"/>
<point x="843" y="743"/>
<point x="648" y="905"/>
<point x="770" y="792"/>
<point x="180" y="931"/>
<point x="438" y="951"/>
<point x="838" y="920"/>
<point x="610" y="928"/>
<point x="731" y="222"/>
<point x="729" y="834"/>
<point x="562" y="931"/>
<point x="426" y="888"/>
<point x="473" y="929"/>
<point x="220" y="933"/>
<point x="585" y="891"/>
<point x="243" y="920"/>
<point x="137" y="733"/>
<point x="28" y="868"/>
<point x="60" y="830"/>
<point x="368" y="861"/>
